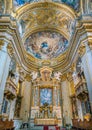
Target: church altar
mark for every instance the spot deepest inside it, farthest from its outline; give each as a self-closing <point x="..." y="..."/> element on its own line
<point x="51" y="121"/>
<point x="46" y="109"/>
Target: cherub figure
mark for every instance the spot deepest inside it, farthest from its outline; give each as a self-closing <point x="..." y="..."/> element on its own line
<point x="34" y="75"/>
<point x="57" y="75"/>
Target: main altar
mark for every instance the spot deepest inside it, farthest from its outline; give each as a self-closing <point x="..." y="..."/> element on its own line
<point x="46" y="96"/>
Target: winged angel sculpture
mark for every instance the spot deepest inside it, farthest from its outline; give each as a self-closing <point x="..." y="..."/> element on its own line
<point x="34" y="75"/>
<point x="57" y="75"/>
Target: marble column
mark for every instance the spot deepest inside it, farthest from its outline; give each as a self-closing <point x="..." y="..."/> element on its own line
<point x="12" y="108"/>
<point x="66" y="102"/>
<point x="4" y="70"/>
<point x="55" y="96"/>
<point x="58" y="95"/>
<point x="79" y="108"/>
<point x="87" y="66"/>
<point x="26" y="100"/>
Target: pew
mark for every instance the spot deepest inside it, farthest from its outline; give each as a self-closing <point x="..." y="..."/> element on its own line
<point x="6" y="125"/>
<point x="82" y="125"/>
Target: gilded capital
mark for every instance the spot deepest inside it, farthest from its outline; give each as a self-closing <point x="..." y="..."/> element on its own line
<point x="28" y="77"/>
<point x="63" y="77"/>
<point x="10" y="49"/>
<point x="1" y="44"/>
<point x="81" y="50"/>
<point x="73" y="67"/>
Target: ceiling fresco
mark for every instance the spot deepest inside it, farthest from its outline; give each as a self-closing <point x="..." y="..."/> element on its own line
<point x="72" y="3"/>
<point x="46" y="45"/>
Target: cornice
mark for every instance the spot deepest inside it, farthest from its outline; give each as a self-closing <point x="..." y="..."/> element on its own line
<point x="9" y="32"/>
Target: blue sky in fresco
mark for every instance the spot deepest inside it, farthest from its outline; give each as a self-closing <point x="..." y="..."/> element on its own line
<point x="73" y="3"/>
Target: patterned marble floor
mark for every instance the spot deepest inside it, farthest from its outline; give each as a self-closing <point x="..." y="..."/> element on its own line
<point x="34" y="128"/>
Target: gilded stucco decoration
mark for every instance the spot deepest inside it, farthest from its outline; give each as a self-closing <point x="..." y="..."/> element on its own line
<point x="45" y="29"/>
<point x="45" y="16"/>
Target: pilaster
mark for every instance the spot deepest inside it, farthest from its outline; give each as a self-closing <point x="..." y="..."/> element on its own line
<point x="87" y="66"/>
<point x="4" y="68"/>
<point x="66" y="102"/>
<point x="26" y="100"/>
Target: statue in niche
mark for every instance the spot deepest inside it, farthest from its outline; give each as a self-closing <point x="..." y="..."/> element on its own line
<point x="1" y="6"/>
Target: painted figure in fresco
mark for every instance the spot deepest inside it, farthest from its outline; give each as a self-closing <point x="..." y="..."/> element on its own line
<point x="21" y="2"/>
<point x="46" y="45"/>
<point x="73" y="3"/>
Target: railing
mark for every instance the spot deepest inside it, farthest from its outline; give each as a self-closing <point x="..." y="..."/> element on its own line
<point x="6" y="125"/>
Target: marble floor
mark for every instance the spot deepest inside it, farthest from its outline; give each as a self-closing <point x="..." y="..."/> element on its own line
<point x="33" y="128"/>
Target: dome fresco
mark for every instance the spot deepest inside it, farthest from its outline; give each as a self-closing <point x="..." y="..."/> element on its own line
<point x="72" y="3"/>
<point x="46" y="45"/>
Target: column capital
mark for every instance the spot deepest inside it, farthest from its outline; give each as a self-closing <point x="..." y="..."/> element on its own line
<point x="22" y="74"/>
<point x="84" y="48"/>
<point x="10" y="49"/>
<point x="73" y="67"/>
<point x="1" y="44"/>
<point x="87" y="47"/>
<point x="28" y="77"/>
<point x="63" y="77"/>
<point x="69" y="76"/>
<point x="81" y="50"/>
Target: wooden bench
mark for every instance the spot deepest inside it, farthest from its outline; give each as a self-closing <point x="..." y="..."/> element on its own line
<point x="82" y="125"/>
<point x="6" y="125"/>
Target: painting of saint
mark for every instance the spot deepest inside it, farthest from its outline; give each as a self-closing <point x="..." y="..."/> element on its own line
<point x="45" y="96"/>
